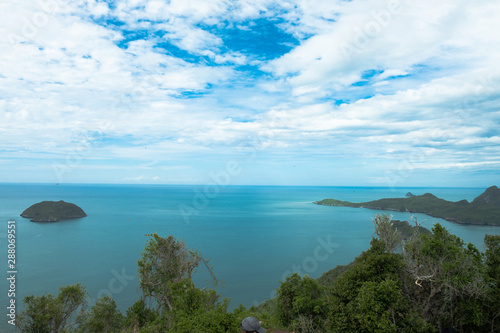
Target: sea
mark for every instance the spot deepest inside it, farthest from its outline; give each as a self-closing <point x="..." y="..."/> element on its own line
<point x="253" y="236"/>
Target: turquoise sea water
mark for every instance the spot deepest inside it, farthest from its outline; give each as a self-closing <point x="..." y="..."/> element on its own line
<point x="253" y="235"/>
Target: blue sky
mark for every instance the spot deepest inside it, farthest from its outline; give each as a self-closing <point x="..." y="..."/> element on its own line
<point x="282" y="92"/>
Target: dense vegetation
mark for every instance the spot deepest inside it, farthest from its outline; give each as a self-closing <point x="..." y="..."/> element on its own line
<point x="53" y="211"/>
<point x="429" y="282"/>
<point x="485" y="209"/>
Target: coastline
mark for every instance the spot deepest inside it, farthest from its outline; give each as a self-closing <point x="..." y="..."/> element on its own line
<point x="480" y="211"/>
<point x="450" y="219"/>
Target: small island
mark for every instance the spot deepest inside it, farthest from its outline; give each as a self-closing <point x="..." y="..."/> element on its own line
<point x="53" y="211"/>
<point x="483" y="210"/>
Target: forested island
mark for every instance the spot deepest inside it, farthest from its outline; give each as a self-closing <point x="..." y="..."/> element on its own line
<point x="483" y="210"/>
<point x="53" y="211"/>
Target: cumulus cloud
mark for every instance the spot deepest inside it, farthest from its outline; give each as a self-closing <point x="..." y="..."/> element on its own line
<point x="180" y="82"/>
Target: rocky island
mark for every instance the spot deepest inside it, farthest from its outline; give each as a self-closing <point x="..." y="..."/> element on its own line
<point x="53" y="211"/>
<point x="483" y="210"/>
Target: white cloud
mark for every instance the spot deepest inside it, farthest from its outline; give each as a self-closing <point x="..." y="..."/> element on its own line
<point x="429" y="72"/>
<point x="135" y="179"/>
<point x="378" y="35"/>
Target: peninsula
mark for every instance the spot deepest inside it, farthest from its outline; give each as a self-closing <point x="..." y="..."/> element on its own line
<point x="53" y="211"/>
<point x="483" y="210"/>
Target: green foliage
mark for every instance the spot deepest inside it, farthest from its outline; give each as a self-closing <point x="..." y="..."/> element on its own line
<point x="492" y="256"/>
<point x="138" y="315"/>
<point x="194" y="310"/>
<point x="446" y="279"/>
<point x="328" y="278"/>
<point x="373" y="265"/>
<point x="368" y="297"/>
<point x="46" y="313"/>
<point x="204" y="319"/>
<point x="384" y="229"/>
<point x="492" y="263"/>
<point x="103" y="317"/>
<point x="268" y="306"/>
<point x="165" y="269"/>
<point x="187" y="299"/>
<point x="437" y="281"/>
<point x="164" y="264"/>
<point x="301" y="299"/>
<point x="380" y="307"/>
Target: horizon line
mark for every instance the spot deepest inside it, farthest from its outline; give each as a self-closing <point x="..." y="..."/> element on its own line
<point x="230" y="185"/>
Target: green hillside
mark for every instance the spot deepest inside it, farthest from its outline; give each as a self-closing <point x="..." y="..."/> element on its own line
<point x="485" y="209"/>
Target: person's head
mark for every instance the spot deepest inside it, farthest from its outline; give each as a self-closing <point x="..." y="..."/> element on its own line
<point x="251" y="325"/>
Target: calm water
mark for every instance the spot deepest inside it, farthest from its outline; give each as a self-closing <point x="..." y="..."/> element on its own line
<point x="253" y="235"/>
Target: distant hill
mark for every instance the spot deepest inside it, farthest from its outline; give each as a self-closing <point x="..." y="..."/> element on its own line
<point x="53" y="211"/>
<point x="490" y="197"/>
<point x="483" y="210"/>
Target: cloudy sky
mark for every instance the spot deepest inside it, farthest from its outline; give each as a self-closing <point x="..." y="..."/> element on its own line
<point x="279" y="92"/>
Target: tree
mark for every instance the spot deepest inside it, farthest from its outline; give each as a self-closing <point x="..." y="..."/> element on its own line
<point x="165" y="262"/>
<point x="165" y="273"/>
<point x="492" y="257"/>
<point x="379" y="307"/>
<point x="138" y="315"/>
<point x="445" y="279"/>
<point x="492" y="263"/>
<point x="368" y="297"/>
<point x="300" y="303"/>
<point x="103" y="317"/>
<point x="386" y="233"/>
<point x="204" y="318"/>
<point x="46" y="313"/>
